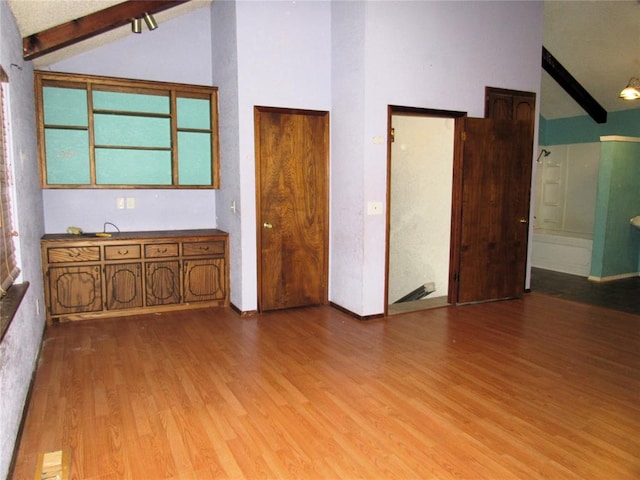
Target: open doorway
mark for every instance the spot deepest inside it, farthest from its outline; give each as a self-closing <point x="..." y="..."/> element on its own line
<point x="420" y="186"/>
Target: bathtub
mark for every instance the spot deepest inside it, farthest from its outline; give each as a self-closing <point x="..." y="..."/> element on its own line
<point x="562" y="252"/>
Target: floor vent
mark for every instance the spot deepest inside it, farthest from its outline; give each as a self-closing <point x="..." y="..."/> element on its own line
<point x="53" y="466"/>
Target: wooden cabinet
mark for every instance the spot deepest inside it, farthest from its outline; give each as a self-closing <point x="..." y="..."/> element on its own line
<point x="136" y="272"/>
<point x="163" y="283"/>
<point x="123" y="283"/>
<point x="75" y="289"/>
<point x="101" y="132"/>
<point x="503" y="104"/>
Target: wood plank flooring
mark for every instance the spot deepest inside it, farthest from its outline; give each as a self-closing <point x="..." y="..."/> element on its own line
<point x="533" y="388"/>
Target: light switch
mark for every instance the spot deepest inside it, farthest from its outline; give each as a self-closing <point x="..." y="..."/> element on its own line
<point x="131" y="203"/>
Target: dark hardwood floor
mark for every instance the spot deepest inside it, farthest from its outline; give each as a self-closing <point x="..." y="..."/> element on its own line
<point x="536" y="388"/>
<point x="623" y="295"/>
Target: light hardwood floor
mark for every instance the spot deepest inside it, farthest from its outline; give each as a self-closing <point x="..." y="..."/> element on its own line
<point x="533" y="388"/>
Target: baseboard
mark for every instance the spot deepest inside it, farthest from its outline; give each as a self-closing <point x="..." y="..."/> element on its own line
<point x="25" y="408"/>
<point x="355" y="315"/>
<point x="243" y="314"/>
<point x="613" y="278"/>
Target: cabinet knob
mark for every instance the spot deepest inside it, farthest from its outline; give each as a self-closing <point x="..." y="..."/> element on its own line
<point x="267" y="225"/>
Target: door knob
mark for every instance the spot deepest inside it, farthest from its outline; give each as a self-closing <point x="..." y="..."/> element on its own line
<point x="267" y="225"/>
<point x="524" y="220"/>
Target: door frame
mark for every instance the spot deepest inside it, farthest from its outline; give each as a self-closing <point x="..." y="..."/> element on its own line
<point x="257" y="110"/>
<point x="456" y="200"/>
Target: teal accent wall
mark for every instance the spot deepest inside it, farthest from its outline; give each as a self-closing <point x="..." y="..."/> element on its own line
<point x="584" y="129"/>
<point x="616" y="244"/>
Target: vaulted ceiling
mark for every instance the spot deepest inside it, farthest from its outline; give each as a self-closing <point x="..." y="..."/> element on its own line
<point x="78" y="16"/>
<point x="597" y="41"/>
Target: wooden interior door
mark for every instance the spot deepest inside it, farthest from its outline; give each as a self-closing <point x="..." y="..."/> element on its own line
<point x="292" y="158"/>
<point x="496" y="184"/>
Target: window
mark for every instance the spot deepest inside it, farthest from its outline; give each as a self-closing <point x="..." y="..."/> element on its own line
<point x="8" y="267"/>
<point x="10" y="295"/>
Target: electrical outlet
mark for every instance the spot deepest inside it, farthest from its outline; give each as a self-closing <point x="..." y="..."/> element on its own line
<point x="120" y="203"/>
<point x="131" y="203"/>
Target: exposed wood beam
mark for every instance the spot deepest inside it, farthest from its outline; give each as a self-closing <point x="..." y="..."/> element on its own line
<point x="560" y="74"/>
<point x="66" y="34"/>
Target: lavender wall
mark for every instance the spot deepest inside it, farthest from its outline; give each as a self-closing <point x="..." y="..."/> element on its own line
<point x="178" y="51"/>
<point x="225" y="76"/>
<point x="284" y="60"/>
<point x="352" y="58"/>
<point x="437" y="55"/>
<point x="20" y="346"/>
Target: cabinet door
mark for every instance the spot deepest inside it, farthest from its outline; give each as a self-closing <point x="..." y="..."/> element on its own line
<point x="163" y="283"/>
<point x="204" y="280"/>
<point x="124" y="285"/>
<point x="75" y="289"/>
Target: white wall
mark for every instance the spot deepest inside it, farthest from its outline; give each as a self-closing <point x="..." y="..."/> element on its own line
<point x="420" y="206"/>
<point x="21" y="344"/>
<point x="421" y="54"/>
<point x="178" y="51"/>
<point x="567" y="184"/>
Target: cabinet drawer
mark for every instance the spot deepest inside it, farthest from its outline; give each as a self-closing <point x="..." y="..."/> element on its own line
<point x="121" y="252"/>
<point x="161" y="250"/>
<point x="202" y="249"/>
<point x="73" y="254"/>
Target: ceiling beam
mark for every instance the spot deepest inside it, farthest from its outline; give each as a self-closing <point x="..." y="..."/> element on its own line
<point x="96" y="23"/>
<point x="570" y="85"/>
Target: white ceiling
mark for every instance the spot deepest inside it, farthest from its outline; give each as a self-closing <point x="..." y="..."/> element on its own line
<point x="597" y="41"/>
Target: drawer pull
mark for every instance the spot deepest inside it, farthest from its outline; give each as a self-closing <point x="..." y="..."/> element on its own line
<point x="73" y="254"/>
<point x="161" y="250"/>
<point x="204" y="249"/>
<point x="123" y="252"/>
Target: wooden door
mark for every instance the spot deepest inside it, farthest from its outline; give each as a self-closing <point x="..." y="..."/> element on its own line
<point x="292" y="152"/>
<point x="496" y="180"/>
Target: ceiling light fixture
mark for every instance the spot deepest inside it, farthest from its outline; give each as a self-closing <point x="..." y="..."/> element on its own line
<point x="136" y="25"/>
<point x="632" y="90"/>
<point x="150" y="21"/>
